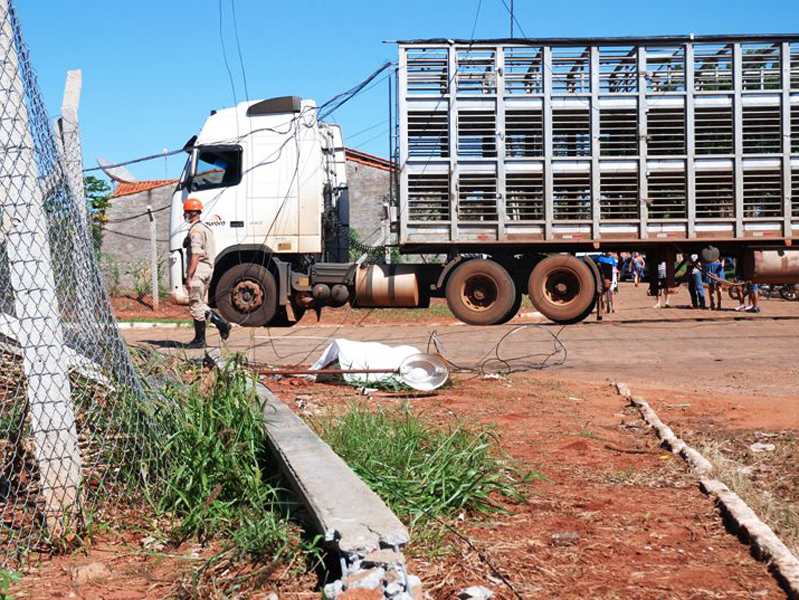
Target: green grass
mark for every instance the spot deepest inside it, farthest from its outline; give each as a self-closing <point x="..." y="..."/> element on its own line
<point x="217" y="485"/>
<point x="6" y="579"/>
<point x="587" y="432"/>
<point x="424" y="472"/>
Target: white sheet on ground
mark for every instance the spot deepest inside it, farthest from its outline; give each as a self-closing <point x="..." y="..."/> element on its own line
<point x="364" y="355"/>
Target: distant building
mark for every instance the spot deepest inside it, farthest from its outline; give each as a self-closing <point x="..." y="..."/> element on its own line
<point x="369" y="178"/>
<point x="125" y="253"/>
<point x="126" y="239"/>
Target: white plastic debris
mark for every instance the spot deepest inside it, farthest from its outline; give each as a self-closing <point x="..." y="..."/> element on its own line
<point x="758" y="447"/>
<point x="476" y="592"/>
<point x="365" y="355"/>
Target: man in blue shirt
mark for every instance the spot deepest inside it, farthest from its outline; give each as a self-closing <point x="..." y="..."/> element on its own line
<point x="696" y="286"/>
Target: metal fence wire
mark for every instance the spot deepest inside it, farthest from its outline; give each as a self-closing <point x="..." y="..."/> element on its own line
<point x="75" y="418"/>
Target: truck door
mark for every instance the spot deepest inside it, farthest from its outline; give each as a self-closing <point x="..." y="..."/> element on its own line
<point x="215" y="182"/>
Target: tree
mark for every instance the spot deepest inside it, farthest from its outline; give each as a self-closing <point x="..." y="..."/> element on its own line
<point x="98" y="199"/>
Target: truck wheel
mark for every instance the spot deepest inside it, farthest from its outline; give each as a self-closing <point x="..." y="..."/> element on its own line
<point x="481" y="292"/>
<point x="563" y="289"/>
<point x="517" y="304"/>
<point x="247" y="294"/>
<point x="789" y="292"/>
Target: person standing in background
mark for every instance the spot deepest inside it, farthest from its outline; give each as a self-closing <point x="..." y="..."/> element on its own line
<point x="696" y="286"/>
<point x="714" y="270"/>
<point x="201" y="252"/>
<point x="663" y="291"/>
<point x="638" y="267"/>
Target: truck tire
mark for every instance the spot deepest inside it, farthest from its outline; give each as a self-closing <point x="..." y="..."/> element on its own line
<point x="481" y="292"/>
<point x="517" y="304"/>
<point x="563" y="289"/>
<point x="247" y="294"/>
<point x="789" y="292"/>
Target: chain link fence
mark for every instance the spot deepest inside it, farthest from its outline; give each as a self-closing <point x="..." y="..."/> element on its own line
<point x="75" y="418"/>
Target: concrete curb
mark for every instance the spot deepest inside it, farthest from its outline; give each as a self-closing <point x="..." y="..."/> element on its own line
<point x="354" y="521"/>
<point x="765" y="544"/>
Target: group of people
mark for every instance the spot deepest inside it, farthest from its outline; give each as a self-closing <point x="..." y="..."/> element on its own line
<point x="699" y="274"/>
<point x="714" y="275"/>
<point x="612" y="266"/>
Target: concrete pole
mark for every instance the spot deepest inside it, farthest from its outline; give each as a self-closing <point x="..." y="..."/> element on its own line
<point x="70" y="136"/>
<point x="153" y="257"/>
<point x="385" y="229"/>
<point x="45" y="361"/>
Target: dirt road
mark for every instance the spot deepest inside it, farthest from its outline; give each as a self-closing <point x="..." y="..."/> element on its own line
<point x="706" y="352"/>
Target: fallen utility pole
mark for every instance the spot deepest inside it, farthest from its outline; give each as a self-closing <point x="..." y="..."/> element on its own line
<point x="325" y="371"/>
<point x="353" y="520"/>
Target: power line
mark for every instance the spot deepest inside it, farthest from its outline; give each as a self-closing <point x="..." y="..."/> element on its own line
<point x="362" y="131"/>
<point x="476" y="16"/>
<point x="343" y="96"/>
<point x="339" y="100"/>
<point x="224" y="55"/>
<point x="138" y="216"/>
<point x="238" y="46"/>
<point x="513" y="18"/>
<point x="134" y="161"/>
<point x="131" y="235"/>
<point x="374" y="137"/>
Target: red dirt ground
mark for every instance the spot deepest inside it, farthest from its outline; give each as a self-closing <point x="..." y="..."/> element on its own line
<point x="646" y="531"/>
<point x="128" y="307"/>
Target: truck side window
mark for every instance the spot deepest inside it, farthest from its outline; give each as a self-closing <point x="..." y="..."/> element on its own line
<point x="216" y="167"/>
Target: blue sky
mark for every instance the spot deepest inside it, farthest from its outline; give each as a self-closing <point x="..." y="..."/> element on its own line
<point x="152" y="70"/>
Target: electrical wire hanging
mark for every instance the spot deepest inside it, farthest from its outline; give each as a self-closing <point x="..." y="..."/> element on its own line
<point x="509" y="364"/>
<point x="238" y="47"/>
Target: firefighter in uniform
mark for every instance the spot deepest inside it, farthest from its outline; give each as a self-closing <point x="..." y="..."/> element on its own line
<point x="199" y="245"/>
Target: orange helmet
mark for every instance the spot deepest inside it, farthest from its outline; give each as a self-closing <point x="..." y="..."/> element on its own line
<point x="192" y="204"/>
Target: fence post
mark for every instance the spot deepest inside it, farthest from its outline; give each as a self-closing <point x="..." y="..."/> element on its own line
<point x="153" y="257"/>
<point x="45" y="361"/>
<point x="68" y="137"/>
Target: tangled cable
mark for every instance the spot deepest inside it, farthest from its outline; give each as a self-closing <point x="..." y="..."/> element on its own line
<point x="508" y="364"/>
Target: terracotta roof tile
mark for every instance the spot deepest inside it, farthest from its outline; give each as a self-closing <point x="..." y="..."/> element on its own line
<point x="126" y="189"/>
<point x="368" y="159"/>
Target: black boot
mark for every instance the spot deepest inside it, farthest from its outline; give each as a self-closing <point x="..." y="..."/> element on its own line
<point x="199" y="336"/>
<point x="222" y="325"/>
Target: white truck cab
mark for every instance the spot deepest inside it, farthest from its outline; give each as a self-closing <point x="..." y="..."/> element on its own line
<point x="271" y="178"/>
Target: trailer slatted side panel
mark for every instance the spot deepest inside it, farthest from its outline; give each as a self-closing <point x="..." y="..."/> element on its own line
<point x="544" y="141"/>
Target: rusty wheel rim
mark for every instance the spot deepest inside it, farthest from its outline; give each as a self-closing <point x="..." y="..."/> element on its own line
<point x="248" y="296"/>
<point x="561" y="287"/>
<point x="479" y="292"/>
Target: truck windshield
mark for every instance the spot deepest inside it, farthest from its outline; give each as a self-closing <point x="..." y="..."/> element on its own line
<point x="216" y="167"/>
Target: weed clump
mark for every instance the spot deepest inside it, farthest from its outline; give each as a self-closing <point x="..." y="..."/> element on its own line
<point x="216" y="482"/>
<point x="424" y="472"/>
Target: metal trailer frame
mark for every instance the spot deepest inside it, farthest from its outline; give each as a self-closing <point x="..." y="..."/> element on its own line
<point x="624" y="141"/>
